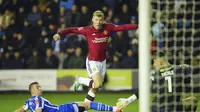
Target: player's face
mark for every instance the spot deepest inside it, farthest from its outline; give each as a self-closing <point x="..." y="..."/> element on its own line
<point x="36" y="90"/>
<point x="157" y="64"/>
<point x="97" y="22"/>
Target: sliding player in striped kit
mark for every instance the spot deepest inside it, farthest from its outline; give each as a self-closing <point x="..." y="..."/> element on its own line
<point x="39" y="104"/>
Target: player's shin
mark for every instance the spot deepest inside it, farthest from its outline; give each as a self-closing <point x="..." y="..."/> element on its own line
<point x="103" y="107"/>
<point x="91" y="95"/>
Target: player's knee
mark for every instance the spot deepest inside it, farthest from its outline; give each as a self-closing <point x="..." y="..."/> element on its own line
<point x="97" y="80"/>
<point x="87" y="105"/>
<point x="81" y="109"/>
<point x="83" y="106"/>
<point x="97" y="84"/>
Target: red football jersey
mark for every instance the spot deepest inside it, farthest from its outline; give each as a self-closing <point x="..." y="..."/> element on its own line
<point x="97" y="39"/>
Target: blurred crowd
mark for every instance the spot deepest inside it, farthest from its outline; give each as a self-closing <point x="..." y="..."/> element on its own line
<point x="176" y="30"/>
<point x="27" y="28"/>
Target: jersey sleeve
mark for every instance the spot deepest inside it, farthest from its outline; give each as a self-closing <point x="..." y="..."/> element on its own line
<point x="187" y="78"/>
<point x="25" y="106"/>
<point x="186" y="75"/>
<point x="115" y="28"/>
<point x="39" y="103"/>
<point x="78" y="30"/>
<point x="152" y="75"/>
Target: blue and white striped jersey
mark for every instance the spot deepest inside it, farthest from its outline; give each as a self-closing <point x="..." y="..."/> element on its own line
<point x="37" y="102"/>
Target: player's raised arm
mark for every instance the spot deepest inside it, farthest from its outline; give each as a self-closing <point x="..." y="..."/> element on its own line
<point x="78" y="30"/>
<point x="115" y="28"/>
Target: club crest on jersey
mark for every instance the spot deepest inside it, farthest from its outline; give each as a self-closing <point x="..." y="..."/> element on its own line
<point x="165" y="69"/>
<point x="94" y="69"/>
<point x="81" y="28"/>
<point x="105" y="32"/>
<point x="37" y="102"/>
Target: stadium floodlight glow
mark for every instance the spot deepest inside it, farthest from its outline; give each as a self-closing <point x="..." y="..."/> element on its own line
<point x="144" y="55"/>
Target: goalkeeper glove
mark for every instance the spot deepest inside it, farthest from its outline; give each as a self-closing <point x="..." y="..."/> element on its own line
<point x="190" y="103"/>
<point x="122" y="103"/>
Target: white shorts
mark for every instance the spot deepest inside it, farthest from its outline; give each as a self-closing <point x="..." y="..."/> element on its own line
<point x="96" y="66"/>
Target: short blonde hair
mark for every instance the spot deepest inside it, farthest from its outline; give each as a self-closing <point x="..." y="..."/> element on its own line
<point x="98" y="13"/>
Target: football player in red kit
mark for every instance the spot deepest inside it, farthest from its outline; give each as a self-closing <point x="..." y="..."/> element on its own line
<point x="97" y="36"/>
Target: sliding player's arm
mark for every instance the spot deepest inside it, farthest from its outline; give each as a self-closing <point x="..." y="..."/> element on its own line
<point x="20" y="110"/>
<point x="24" y="108"/>
<point x="78" y="30"/>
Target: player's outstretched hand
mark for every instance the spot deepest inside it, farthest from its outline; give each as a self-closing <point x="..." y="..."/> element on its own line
<point x="56" y="37"/>
<point x="122" y="103"/>
<point x="191" y="99"/>
<point x="190" y="103"/>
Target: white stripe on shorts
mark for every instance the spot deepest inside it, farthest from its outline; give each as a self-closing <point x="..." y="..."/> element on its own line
<point x="75" y="107"/>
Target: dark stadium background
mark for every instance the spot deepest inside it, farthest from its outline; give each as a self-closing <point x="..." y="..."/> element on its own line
<point x="26" y="43"/>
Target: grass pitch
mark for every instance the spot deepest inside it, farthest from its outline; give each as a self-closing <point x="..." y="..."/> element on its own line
<point x="10" y="102"/>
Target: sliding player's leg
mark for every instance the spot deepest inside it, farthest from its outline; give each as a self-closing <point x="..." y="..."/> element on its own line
<point x="96" y="106"/>
<point x="84" y="106"/>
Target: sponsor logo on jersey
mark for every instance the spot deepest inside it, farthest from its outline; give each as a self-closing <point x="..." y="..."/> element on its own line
<point x="166" y="69"/>
<point x="162" y="70"/>
<point x="100" y="40"/>
<point x="167" y="73"/>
